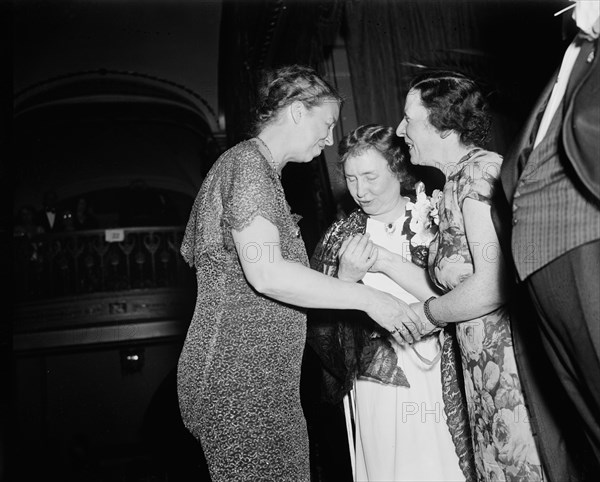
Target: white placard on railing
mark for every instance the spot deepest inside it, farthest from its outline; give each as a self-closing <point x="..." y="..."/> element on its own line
<point x="114" y="235"/>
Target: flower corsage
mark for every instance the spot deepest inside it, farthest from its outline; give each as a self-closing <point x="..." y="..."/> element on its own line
<point x="421" y="227"/>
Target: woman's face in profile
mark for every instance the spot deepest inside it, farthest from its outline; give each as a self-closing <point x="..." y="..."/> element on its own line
<point x="371" y="182"/>
<point x="422" y="139"/>
<point x="318" y="123"/>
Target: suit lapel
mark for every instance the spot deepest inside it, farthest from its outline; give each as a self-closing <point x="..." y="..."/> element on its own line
<point x="516" y="158"/>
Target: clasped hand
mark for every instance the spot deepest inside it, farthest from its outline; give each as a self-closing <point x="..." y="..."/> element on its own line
<point x="426" y="327"/>
<point x="357" y="256"/>
<point x="412" y="328"/>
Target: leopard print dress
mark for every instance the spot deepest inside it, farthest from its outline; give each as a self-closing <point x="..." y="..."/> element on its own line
<point x="238" y="374"/>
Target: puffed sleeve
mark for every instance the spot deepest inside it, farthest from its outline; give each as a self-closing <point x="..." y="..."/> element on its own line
<point x="239" y="186"/>
<point x="252" y="189"/>
<point x="478" y="178"/>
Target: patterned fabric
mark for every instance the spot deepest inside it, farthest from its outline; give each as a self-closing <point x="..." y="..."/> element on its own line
<point x="350" y="345"/>
<point x="503" y="443"/>
<point x="339" y="345"/>
<point x="547" y="197"/>
<point x="239" y="371"/>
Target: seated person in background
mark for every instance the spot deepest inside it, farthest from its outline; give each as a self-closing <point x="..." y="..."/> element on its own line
<point x="84" y="217"/>
<point x="66" y="221"/>
<point x="25" y="230"/>
<point x="49" y="217"/>
<point x="26" y="224"/>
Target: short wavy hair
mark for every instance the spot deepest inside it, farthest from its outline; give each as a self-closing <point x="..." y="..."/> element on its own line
<point x="383" y="139"/>
<point x="280" y="87"/>
<point x="455" y="102"/>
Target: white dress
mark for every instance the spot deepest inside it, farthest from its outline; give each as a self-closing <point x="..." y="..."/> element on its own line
<point x="401" y="432"/>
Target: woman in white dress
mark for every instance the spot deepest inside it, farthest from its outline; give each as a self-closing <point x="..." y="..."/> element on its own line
<point x="401" y="403"/>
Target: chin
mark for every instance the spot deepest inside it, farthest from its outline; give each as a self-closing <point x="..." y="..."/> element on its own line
<point x="369" y="211"/>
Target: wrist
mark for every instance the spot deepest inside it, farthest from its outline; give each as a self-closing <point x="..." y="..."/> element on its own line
<point x="369" y="298"/>
<point x="360" y="297"/>
<point x="385" y="260"/>
<point x="429" y="315"/>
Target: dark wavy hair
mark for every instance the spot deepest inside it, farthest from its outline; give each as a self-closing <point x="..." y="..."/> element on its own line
<point x="455" y="102"/>
<point x="383" y="139"/>
<point x="278" y="88"/>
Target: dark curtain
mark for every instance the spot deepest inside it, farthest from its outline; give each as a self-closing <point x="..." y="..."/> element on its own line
<point x="387" y="41"/>
<point x="510" y="47"/>
<point x="257" y="34"/>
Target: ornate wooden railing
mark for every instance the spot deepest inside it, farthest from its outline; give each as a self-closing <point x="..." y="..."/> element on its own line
<point x="97" y="261"/>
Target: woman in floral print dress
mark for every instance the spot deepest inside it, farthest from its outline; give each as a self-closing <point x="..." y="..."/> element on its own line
<point x="446" y="122"/>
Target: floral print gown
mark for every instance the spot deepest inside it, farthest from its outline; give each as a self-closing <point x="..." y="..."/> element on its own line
<point x="503" y="443"/>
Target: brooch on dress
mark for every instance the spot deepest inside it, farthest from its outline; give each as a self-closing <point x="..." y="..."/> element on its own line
<point x="390" y="228"/>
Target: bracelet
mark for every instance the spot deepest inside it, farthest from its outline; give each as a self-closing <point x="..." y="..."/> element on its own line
<point x="432" y="320"/>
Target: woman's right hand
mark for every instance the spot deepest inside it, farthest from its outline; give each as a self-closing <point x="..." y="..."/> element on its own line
<point x="356" y="256"/>
<point x="384" y="256"/>
<point x="396" y="316"/>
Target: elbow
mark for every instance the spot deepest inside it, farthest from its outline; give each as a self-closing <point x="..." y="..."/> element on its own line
<point x="260" y="283"/>
<point x="496" y="291"/>
<point x="264" y="287"/>
<point x="494" y="298"/>
<point x="494" y="303"/>
<point x="263" y="281"/>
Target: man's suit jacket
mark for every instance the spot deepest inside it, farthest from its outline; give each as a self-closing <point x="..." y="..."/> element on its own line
<point x="580" y="135"/>
<point x="580" y="142"/>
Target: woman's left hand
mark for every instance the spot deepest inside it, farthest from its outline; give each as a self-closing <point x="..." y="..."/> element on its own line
<point x="426" y="327"/>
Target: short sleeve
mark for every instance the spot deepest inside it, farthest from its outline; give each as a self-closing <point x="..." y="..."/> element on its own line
<point x="252" y="190"/>
<point x="238" y="187"/>
<point x="477" y="179"/>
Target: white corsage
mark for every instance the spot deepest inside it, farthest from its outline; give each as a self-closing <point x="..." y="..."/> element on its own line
<point x="424" y="223"/>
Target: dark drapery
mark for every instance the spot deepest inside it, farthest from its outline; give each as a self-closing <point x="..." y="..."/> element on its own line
<point x="388" y="40"/>
<point x="510" y="47"/>
<point x="257" y="34"/>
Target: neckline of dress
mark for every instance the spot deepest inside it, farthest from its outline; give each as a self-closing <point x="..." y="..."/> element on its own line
<point x="391" y="228"/>
<point x="469" y="155"/>
<point x="270" y="159"/>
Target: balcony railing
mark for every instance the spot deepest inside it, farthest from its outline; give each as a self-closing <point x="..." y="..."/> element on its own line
<point x="96" y="261"/>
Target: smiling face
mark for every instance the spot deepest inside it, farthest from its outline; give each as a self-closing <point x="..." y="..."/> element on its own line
<point x="372" y="184"/>
<point x="317" y="125"/>
<point x="423" y="140"/>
